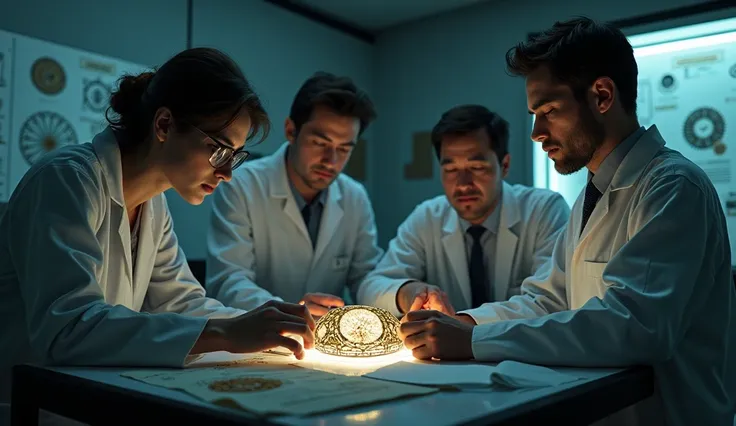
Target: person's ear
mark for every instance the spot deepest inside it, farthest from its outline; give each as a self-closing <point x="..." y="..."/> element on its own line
<point x="290" y="130"/>
<point x="505" y="164"/>
<point x="162" y="124"/>
<point x="603" y="92"/>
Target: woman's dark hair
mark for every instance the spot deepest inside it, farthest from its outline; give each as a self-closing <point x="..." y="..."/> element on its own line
<point x="337" y="93"/>
<point x="578" y="52"/>
<point x="196" y="85"/>
<point x="465" y="119"/>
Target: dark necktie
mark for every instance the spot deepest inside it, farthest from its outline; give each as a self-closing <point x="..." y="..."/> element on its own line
<point x="591" y="199"/>
<point x="307" y="215"/>
<point x="477" y="268"/>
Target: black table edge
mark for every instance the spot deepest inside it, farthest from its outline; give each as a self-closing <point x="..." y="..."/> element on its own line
<point x="98" y="403"/>
<point x="94" y="402"/>
<point x="579" y="405"/>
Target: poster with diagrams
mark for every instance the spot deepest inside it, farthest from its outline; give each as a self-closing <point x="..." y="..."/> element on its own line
<point x="50" y="96"/>
<point x="687" y="88"/>
<point x="6" y="50"/>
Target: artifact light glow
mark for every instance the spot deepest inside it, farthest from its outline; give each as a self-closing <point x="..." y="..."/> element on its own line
<point x="357" y="331"/>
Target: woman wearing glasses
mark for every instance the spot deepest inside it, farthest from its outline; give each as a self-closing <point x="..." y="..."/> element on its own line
<point x="90" y="269"/>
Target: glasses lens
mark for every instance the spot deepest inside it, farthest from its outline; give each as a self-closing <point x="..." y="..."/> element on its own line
<point x="219" y="158"/>
<point x="239" y="158"/>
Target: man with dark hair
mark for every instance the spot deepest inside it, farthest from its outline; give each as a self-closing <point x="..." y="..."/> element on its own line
<point x="642" y="274"/>
<point x="476" y="243"/>
<point x="290" y="226"/>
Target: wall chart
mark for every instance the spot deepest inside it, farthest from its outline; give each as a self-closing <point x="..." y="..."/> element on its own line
<point x="50" y="96"/>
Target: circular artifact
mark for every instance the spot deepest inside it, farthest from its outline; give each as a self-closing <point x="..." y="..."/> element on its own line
<point x="357" y="331"/>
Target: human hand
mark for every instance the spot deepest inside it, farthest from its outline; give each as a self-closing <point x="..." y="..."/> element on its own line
<point x="416" y="295"/>
<point x="262" y="328"/>
<point x="320" y="303"/>
<point x="432" y="334"/>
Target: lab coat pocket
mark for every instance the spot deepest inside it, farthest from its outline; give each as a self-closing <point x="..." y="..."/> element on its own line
<point x="340" y="263"/>
<point x="594" y="271"/>
<point x="591" y="275"/>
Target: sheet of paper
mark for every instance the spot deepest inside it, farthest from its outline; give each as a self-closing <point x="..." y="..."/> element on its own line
<point x="508" y="374"/>
<point x="269" y="389"/>
<point x="517" y="375"/>
<point x="435" y="374"/>
<point x="223" y="359"/>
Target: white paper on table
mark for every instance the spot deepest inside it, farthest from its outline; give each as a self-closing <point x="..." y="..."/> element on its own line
<point x="435" y="374"/>
<point x="508" y="374"/>
<point x="277" y="389"/>
<point x="517" y="375"/>
<point x="223" y="359"/>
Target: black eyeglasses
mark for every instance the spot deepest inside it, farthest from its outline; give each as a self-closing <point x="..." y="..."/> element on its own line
<point x="224" y="154"/>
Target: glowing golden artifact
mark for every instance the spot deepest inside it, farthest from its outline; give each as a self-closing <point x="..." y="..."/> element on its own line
<point x="357" y="331"/>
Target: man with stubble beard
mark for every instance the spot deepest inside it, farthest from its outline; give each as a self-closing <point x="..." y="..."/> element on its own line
<point x="290" y="226"/>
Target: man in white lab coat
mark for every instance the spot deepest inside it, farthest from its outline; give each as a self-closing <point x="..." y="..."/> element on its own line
<point x="476" y="243"/>
<point x="642" y="275"/>
<point x="290" y="226"/>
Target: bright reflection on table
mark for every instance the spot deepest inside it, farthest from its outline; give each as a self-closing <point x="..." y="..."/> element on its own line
<point x="348" y="366"/>
<point x="363" y="417"/>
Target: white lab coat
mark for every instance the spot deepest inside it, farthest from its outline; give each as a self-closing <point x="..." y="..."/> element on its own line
<point x="430" y="247"/>
<point x="648" y="282"/>
<point x="67" y="292"/>
<point x="258" y="247"/>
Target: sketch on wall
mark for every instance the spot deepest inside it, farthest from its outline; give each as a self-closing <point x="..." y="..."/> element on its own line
<point x="50" y="96"/>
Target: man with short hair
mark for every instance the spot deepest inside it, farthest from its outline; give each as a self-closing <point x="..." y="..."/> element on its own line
<point x="476" y="243"/>
<point x="291" y="226"/>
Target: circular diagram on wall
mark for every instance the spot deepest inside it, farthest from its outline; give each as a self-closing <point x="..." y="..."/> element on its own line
<point x="96" y="95"/>
<point x="704" y="127"/>
<point x="48" y="76"/>
<point x="668" y="83"/>
<point x="43" y="132"/>
<point x="732" y="71"/>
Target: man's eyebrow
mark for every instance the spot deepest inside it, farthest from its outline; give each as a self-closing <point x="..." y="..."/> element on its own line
<point x="541" y="103"/>
<point x="321" y="135"/>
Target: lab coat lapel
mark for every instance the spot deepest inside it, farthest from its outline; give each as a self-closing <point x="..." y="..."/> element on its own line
<point x="145" y="252"/>
<point x="505" y="243"/>
<point x="331" y="218"/>
<point x="108" y="152"/>
<point x="292" y="212"/>
<point x="280" y="189"/>
<point x="626" y="175"/>
<point x="596" y="217"/>
<point x="454" y="246"/>
<point x="124" y="232"/>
